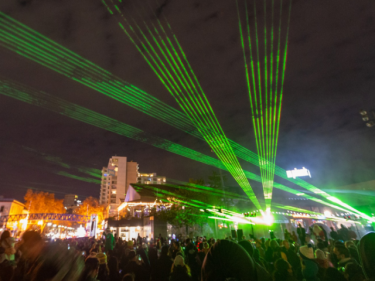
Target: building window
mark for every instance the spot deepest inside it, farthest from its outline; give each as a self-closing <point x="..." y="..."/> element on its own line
<point x="114" y="182"/>
<point x="1" y="209"/>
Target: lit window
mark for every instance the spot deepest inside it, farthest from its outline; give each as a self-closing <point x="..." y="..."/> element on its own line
<point x="113" y="191"/>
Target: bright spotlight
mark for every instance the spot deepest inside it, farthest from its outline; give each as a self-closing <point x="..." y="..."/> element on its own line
<point x="363" y="112"/>
<point x="268" y="219"/>
<point x="327" y="213"/>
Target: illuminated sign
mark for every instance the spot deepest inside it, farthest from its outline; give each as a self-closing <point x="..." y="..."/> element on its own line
<point x="298" y="173"/>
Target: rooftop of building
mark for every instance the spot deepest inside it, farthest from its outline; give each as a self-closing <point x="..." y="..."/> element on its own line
<point x="149" y="193"/>
<point x="149" y="175"/>
<point x="11" y="200"/>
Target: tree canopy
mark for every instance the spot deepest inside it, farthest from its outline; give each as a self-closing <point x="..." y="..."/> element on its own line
<point x="178" y="216"/>
<point x="43" y="202"/>
<point x="90" y="206"/>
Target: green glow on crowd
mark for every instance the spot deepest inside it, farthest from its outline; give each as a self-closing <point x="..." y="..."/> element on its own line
<point x="266" y="98"/>
<point x="34" y="46"/>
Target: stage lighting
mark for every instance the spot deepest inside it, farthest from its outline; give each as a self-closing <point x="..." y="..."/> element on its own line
<point x="327" y="213"/>
<point x="363" y="112"/>
<point x="370" y="124"/>
<point x="365" y="118"/>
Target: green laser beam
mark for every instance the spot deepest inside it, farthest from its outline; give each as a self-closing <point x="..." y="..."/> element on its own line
<point x="193" y="103"/>
<point x="20" y="92"/>
<point x="266" y="98"/>
<point x="32" y="45"/>
<point x="57" y="160"/>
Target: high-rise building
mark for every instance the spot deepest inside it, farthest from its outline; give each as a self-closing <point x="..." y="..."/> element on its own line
<point x="131" y="173"/>
<point x="116" y="178"/>
<point x="150" y="178"/>
<point x="70" y="200"/>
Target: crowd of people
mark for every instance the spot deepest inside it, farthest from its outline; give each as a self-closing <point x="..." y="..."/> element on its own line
<point x="200" y="259"/>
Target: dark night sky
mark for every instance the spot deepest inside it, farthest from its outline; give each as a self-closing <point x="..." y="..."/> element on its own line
<point x="329" y="78"/>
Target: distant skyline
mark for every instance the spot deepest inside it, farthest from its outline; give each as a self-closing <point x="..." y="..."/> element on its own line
<point x="329" y="78"/>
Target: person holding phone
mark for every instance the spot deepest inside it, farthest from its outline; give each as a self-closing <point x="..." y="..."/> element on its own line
<point x="114" y="272"/>
<point x="137" y="267"/>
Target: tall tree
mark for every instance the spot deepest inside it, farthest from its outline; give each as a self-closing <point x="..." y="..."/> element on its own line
<point x="90" y="206"/>
<point x="43" y="202"/>
<point x="179" y="217"/>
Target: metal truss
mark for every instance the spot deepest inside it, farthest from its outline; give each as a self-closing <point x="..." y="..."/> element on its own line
<point x="45" y="217"/>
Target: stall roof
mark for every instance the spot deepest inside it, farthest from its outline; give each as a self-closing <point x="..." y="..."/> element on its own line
<point x="125" y="222"/>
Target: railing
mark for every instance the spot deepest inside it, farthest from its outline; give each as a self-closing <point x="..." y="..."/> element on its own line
<point x="45" y="216"/>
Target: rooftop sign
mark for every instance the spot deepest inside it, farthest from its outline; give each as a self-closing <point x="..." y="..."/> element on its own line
<point x="298" y="173"/>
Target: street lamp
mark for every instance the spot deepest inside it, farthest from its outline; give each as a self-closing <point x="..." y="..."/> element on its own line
<point x="366" y="117"/>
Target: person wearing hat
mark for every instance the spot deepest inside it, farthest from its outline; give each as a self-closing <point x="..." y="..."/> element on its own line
<point x="103" y="274"/>
<point x="310" y="268"/>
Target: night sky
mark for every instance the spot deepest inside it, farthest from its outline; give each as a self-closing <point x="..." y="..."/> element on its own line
<point x="329" y="78"/>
